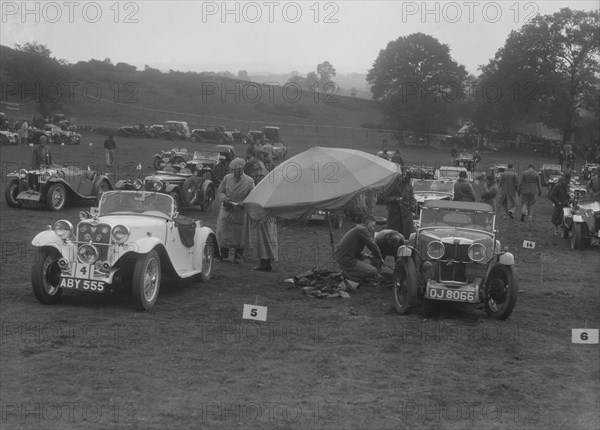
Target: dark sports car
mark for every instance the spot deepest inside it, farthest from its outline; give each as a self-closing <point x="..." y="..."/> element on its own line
<point x="54" y="185"/>
<point x="212" y="134"/>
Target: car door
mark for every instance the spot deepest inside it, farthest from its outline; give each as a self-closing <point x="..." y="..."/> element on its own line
<point x="181" y="256"/>
<point x="86" y="186"/>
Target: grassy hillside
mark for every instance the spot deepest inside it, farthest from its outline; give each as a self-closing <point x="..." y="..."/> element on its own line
<point x="101" y="94"/>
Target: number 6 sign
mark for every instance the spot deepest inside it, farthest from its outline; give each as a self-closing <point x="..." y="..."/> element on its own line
<point x="254" y="312"/>
<point x="584" y="335"/>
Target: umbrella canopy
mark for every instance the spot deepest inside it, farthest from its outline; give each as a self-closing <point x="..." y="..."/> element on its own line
<point x="318" y="179"/>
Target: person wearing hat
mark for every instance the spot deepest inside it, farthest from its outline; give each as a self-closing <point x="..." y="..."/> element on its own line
<point x="508" y="191"/>
<point x="490" y="191"/>
<point x="559" y="195"/>
<point x="234" y="188"/>
<point x="530" y="186"/>
<point x="400" y="200"/>
<point x="41" y="154"/>
<point x="355" y="265"/>
<point x="24" y="132"/>
<point x="463" y="190"/>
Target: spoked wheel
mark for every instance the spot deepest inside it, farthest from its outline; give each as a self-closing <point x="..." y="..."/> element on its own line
<point x="209" y="197"/>
<point x="10" y="194"/>
<point x="146" y="281"/>
<point x="189" y="192"/>
<point x="56" y="198"/>
<point x="405" y="285"/>
<point x="577" y="238"/>
<point x="501" y="289"/>
<point x="207" y="260"/>
<point x="45" y="277"/>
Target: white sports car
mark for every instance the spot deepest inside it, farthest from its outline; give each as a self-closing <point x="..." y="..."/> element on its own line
<point x="131" y="239"/>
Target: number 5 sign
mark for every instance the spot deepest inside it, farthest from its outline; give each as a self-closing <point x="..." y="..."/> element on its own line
<point x="584" y="335"/>
<point x="254" y="312"/>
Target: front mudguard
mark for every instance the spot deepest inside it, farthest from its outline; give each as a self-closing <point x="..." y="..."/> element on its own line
<point x="506" y="258"/>
<point x="49" y="239"/>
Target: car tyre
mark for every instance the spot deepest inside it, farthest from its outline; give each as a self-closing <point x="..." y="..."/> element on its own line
<point x="577" y="238"/>
<point x="405" y="285"/>
<point x="56" y="197"/>
<point x="209" y="198"/>
<point x="102" y="188"/>
<point x="146" y="281"/>
<point x="501" y="289"/>
<point x="189" y="192"/>
<point x="10" y="194"/>
<point x="157" y="163"/>
<point x="194" y="138"/>
<point x="45" y="277"/>
<point x="208" y="253"/>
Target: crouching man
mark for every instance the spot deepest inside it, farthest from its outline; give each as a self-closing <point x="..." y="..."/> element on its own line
<point x="388" y="242"/>
<point x="348" y="252"/>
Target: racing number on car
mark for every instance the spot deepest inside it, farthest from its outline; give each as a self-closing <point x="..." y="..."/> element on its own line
<point x="82" y="271"/>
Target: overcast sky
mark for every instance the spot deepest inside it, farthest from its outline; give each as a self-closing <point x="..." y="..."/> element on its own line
<point x="263" y="36"/>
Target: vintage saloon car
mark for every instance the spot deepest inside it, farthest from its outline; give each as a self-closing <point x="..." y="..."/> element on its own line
<point x="588" y="170"/>
<point x="212" y="134"/>
<point x="54" y="185"/>
<point x="132" y="239"/>
<point x="430" y="189"/>
<point x="454" y="256"/>
<point x="135" y="130"/>
<point x="184" y="185"/>
<point x="581" y="222"/>
<point x="175" y="130"/>
<point x="450" y="173"/>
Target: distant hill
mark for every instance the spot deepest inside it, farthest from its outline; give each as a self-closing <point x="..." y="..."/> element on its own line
<point x="103" y="94"/>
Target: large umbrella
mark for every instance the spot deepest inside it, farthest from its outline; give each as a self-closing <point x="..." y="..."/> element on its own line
<point x="318" y="179"/>
<point x="325" y="179"/>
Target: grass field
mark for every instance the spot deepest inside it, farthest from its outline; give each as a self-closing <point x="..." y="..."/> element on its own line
<point x="193" y="362"/>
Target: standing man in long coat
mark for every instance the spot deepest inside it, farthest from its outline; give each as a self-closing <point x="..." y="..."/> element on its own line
<point x="400" y="200"/>
<point x="234" y="188"/>
<point x="529" y="186"/>
<point x="509" y="183"/>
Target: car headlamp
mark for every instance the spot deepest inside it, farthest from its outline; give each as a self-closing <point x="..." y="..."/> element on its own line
<point x="435" y="250"/>
<point x="157" y="185"/>
<point x="120" y="233"/>
<point x="63" y="228"/>
<point x="137" y="184"/>
<point x="476" y="252"/>
<point x="87" y="254"/>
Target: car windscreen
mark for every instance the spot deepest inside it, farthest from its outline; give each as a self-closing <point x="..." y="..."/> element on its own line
<point x="136" y="202"/>
<point x="453" y="218"/>
<point x="449" y="173"/>
<point x="432" y="186"/>
<point x="204" y="155"/>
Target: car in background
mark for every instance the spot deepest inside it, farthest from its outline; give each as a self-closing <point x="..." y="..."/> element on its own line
<point x="175" y="130"/>
<point x="8" y="138"/>
<point x="581" y="222"/>
<point x="239" y="137"/>
<point x="131" y="240"/>
<point x="431" y="189"/>
<point x="212" y="164"/>
<point x="63" y="135"/>
<point x="171" y="156"/>
<point x="212" y="134"/>
<point x="139" y="130"/>
<point x="421" y="172"/>
<point x="156" y="129"/>
<point x="497" y="169"/>
<point x="454" y="256"/>
<point x="272" y="134"/>
<point x="450" y="173"/>
<point x="588" y="170"/>
<point x="550" y="175"/>
<point x="257" y="136"/>
<point x="186" y="187"/>
<point x="54" y="185"/>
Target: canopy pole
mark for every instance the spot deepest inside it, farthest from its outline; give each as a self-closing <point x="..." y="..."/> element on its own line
<point x="330" y="234"/>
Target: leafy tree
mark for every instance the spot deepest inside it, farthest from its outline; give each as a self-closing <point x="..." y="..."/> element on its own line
<point x="547" y="71"/>
<point x="325" y="71"/>
<point x="312" y="81"/>
<point x="418" y="83"/>
<point x="38" y="76"/>
<point x="243" y="75"/>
